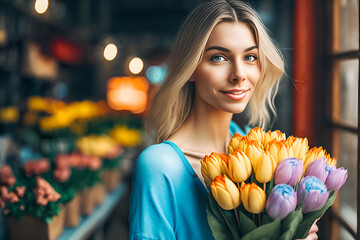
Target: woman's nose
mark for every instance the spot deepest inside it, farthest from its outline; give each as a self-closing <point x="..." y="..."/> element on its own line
<point x="238" y="73"/>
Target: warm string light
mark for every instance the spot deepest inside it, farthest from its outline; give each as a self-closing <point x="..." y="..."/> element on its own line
<point x="136" y="65"/>
<point x="41" y="6"/>
<point x="110" y="52"/>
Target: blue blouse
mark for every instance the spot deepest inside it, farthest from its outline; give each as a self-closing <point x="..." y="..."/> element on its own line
<point x="168" y="200"/>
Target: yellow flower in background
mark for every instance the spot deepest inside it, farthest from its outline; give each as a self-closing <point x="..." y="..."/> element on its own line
<point x="97" y="146"/>
<point x="126" y="136"/>
<point x="265" y="168"/>
<point x="9" y="114"/>
<point x="239" y="166"/>
<point x="225" y="192"/>
<point x="63" y="118"/>
<point x="37" y="103"/>
<point x="252" y="197"/>
<point x="47" y="123"/>
<point x="254" y="151"/>
<point x="257" y="134"/>
<point x="271" y="135"/>
<point x="211" y="167"/>
<point x="313" y="154"/>
<point x="279" y="150"/>
<point x="299" y="145"/>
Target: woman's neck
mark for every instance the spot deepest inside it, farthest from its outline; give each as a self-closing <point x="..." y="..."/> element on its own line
<point x="205" y="130"/>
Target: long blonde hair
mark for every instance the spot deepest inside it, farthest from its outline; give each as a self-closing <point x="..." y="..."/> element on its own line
<point x="173" y="102"/>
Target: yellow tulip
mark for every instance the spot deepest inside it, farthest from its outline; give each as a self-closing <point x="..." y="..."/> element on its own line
<point x="299" y="145"/>
<point x="225" y="192"/>
<point x="269" y="136"/>
<point x="252" y="197"/>
<point x="331" y="161"/>
<point x="279" y="150"/>
<point x="254" y="151"/>
<point x="313" y="154"/>
<point x="211" y="167"/>
<point x="235" y="142"/>
<point x="265" y="168"/>
<point x="239" y="166"/>
<point x="256" y="134"/>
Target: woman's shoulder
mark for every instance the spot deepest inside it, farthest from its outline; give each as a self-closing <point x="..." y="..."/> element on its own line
<point x="158" y="157"/>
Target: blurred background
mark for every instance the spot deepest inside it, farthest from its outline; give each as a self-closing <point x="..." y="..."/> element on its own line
<point x="77" y="78"/>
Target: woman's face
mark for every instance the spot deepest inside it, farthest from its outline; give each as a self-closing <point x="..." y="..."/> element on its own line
<point x="229" y="70"/>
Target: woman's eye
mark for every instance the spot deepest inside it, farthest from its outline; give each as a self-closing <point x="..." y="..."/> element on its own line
<point x="250" y="58"/>
<point x="218" y="58"/>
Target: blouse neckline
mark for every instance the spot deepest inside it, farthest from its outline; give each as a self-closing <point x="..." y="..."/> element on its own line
<point x="189" y="168"/>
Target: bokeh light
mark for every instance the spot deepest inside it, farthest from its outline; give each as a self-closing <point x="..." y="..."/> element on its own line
<point x="156" y="74"/>
<point x="136" y="65"/>
<point x="41" y="6"/>
<point x="110" y="52"/>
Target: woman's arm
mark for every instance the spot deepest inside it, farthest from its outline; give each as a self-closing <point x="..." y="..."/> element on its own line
<point x="151" y="208"/>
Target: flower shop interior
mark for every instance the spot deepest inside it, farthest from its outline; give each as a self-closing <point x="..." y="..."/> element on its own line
<point x="77" y="78"/>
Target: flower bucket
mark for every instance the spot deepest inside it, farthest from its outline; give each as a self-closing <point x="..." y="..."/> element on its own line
<point x="99" y="192"/>
<point x="111" y="178"/>
<point x="88" y="201"/>
<point x="32" y="228"/>
<point x="72" y="212"/>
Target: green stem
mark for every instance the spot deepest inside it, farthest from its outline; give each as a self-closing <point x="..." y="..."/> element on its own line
<point x="238" y="221"/>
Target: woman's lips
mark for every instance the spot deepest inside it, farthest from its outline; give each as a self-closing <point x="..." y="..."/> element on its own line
<point x="236" y="94"/>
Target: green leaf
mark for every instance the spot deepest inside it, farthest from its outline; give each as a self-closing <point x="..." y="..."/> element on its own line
<point x="309" y="218"/>
<point x="268" y="231"/>
<point x="290" y="224"/>
<point x="217" y="223"/>
<point x="247" y="225"/>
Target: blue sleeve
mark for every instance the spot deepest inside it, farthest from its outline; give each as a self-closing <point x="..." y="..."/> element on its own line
<point x="234" y="128"/>
<point x="152" y="211"/>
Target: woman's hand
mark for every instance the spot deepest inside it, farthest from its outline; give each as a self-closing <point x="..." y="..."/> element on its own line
<point x="312" y="232"/>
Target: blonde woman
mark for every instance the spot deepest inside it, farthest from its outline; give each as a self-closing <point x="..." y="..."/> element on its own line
<point x="222" y="61"/>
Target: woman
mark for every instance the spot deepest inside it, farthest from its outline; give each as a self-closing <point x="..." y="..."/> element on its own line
<point x="222" y="61"/>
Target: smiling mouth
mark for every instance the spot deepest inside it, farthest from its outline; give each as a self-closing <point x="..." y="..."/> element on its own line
<point x="235" y="93"/>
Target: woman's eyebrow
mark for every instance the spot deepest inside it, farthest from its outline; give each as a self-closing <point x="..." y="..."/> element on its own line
<point x="217" y="48"/>
<point x="227" y="50"/>
<point x="250" y="48"/>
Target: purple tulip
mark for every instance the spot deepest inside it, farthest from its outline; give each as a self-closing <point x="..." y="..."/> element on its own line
<point x="317" y="169"/>
<point x="288" y="171"/>
<point x="312" y="194"/>
<point x="281" y="201"/>
<point x="336" y="178"/>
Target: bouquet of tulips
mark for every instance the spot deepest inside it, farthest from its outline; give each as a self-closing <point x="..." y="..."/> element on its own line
<point x="269" y="186"/>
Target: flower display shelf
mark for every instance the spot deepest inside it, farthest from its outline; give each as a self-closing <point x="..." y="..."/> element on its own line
<point x="87" y="225"/>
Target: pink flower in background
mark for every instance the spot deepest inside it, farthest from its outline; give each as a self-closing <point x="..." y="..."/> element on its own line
<point x="94" y="163"/>
<point x="62" y="161"/>
<point x="20" y="191"/>
<point x="36" y="167"/>
<point x="114" y="153"/>
<point x="10" y="197"/>
<point x="44" y="192"/>
<point x="6" y="176"/>
<point x="62" y="174"/>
